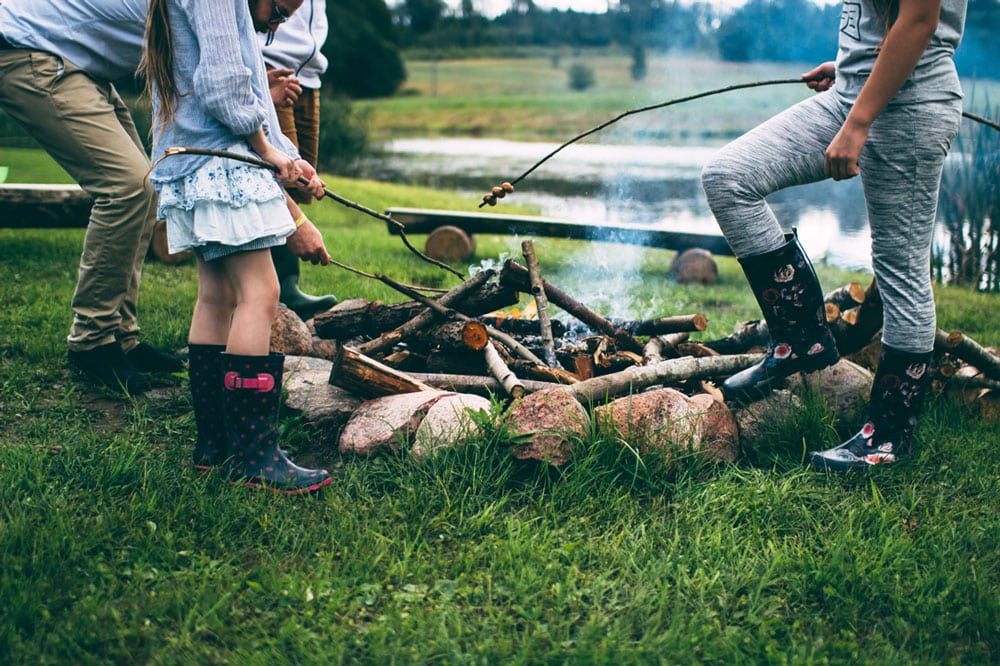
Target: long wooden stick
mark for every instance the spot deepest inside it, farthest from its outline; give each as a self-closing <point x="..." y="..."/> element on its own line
<point x="599" y="389"/>
<point x="541" y="301"/>
<point x="493" y="195"/>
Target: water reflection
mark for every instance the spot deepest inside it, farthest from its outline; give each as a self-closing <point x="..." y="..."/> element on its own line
<point x="626" y="184"/>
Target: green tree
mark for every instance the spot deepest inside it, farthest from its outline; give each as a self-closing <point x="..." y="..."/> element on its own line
<point x="362" y="49"/>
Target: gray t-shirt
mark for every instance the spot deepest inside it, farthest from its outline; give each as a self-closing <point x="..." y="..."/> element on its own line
<point x="862" y="29"/>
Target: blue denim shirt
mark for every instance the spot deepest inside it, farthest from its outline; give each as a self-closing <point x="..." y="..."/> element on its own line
<point x="101" y="37"/>
<point x="222" y="83"/>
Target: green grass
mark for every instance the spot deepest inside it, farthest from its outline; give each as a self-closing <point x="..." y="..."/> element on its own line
<point x="115" y="551"/>
<point x="530" y="99"/>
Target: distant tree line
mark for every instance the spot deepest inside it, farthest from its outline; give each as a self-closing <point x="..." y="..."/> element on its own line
<point x="368" y="37"/>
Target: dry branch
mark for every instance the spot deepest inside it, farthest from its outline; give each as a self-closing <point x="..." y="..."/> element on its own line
<point x="974" y="354"/>
<point x="599" y="389"/>
<point x="511" y="384"/>
<point x="541" y="302"/>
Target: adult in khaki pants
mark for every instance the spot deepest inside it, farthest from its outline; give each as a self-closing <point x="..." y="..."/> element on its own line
<point x="57" y="59"/>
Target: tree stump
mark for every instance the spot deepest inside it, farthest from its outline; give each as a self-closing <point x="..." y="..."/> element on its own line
<point x="695" y="266"/>
<point x="449" y="243"/>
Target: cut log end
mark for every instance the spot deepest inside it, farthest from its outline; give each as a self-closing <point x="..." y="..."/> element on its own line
<point x="450" y="243"/>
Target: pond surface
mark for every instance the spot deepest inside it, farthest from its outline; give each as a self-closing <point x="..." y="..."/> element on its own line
<point x="625" y="184"/>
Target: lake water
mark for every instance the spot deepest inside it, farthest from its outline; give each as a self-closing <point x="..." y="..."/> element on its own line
<point x="623" y="184"/>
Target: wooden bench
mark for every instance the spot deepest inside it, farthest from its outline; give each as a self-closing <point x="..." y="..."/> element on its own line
<point x="44" y="206"/>
<point x="451" y="233"/>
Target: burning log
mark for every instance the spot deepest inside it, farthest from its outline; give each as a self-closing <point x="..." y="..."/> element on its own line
<point x="541" y="302"/>
<point x="366" y="377"/>
<point x="515" y="275"/>
<point x="521" y="326"/>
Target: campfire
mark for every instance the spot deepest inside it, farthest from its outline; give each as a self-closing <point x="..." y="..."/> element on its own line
<point x="413" y="369"/>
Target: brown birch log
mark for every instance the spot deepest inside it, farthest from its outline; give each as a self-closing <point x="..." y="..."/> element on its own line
<point x="541" y="302"/>
<point x="366" y="377"/>
<point x="974" y="354"/>
<point x="599" y="389"/>
<point x="511" y="384"/>
<point x="516" y="275"/>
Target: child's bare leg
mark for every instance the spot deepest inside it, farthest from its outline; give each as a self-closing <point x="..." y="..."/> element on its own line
<point x="213" y="311"/>
<point x="255" y="285"/>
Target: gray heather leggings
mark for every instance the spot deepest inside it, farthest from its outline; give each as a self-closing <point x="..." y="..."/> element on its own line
<point x="900" y="172"/>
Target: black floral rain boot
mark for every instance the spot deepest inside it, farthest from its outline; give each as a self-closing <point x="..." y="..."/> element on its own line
<point x="901" y="381"/>
<point x="251" y="398"/>
<point x="205" y="376"/>
<point x="788" y="292"/>
<point x="304" y="305"/>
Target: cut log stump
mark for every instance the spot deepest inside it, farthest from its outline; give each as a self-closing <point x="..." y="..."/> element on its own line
<point x="449" y="243"/>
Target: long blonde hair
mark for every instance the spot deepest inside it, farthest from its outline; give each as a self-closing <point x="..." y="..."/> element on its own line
<point x="158" y="62"/>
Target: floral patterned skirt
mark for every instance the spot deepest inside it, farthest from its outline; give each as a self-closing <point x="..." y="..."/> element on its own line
<point x="225" y="203"/>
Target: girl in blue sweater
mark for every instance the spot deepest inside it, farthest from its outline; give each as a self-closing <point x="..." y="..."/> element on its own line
<point x="209" y="90"/>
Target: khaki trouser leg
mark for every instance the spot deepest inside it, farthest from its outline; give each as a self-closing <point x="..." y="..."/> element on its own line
<point x="87" y="129"/>
<point x="300" y="123"/>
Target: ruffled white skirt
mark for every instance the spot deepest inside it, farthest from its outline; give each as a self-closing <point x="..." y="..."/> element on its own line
<point x="226" y="202"/>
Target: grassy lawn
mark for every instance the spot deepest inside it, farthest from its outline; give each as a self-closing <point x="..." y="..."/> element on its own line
<point x="116" y="551"/>
<point x="530" y="99"/>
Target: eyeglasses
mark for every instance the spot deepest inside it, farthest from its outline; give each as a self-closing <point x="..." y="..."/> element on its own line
<point x="278" y="14"/>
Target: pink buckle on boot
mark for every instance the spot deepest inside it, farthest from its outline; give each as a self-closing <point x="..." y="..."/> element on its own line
<point x="262" y="383"/>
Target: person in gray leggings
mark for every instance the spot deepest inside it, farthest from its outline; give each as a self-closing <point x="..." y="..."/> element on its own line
<point x="888" y="110"/>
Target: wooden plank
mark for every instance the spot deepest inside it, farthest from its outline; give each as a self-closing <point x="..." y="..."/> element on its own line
<point x="425" y="220"/>
<point x="36" y="206"/>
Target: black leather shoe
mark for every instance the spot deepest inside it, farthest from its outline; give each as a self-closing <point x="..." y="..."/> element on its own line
<point x="149" y="359"/>
<point x="108" y="366"/>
